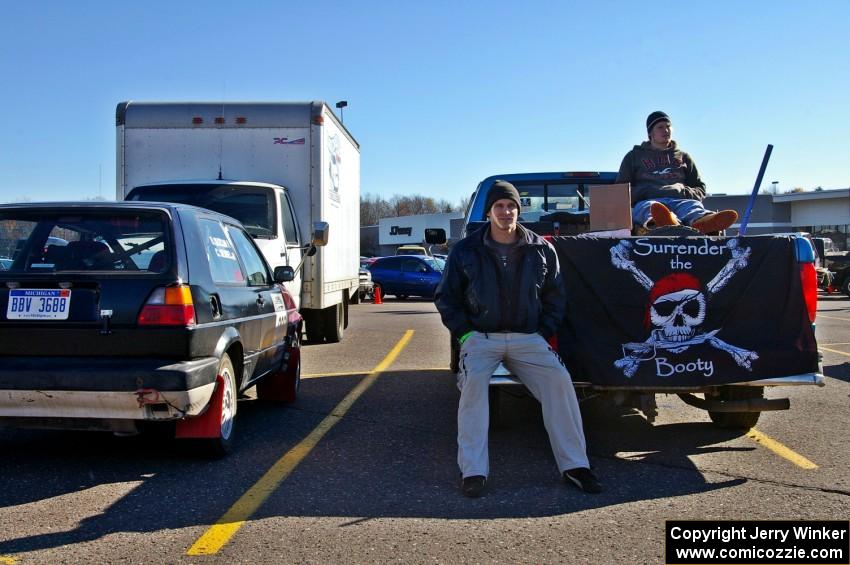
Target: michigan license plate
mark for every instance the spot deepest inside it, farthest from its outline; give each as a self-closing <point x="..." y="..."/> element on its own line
<point x="38" y="304"/>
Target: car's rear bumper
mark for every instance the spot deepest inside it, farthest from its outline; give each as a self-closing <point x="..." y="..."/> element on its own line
<point x="103" y="388"/>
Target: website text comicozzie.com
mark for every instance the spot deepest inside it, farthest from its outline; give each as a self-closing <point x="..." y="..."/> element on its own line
<point x="701" y="542"/>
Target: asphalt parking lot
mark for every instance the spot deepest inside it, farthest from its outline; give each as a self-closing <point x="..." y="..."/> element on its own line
<point x="362" y="469"/>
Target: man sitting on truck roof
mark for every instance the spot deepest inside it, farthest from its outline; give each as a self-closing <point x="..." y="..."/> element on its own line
<point x="666" y="186"/>
<point x="483" y="299"/>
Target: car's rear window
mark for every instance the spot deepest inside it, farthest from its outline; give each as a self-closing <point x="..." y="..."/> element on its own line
<point x="45" y="241"/>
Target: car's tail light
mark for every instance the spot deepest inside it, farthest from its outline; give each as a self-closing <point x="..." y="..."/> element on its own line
<point x="169" y="306"/>
<point x="809" y="278"/>
<point x="806" y="257"/>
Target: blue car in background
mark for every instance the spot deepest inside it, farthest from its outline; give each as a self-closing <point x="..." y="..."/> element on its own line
<point x="407" y="275"/>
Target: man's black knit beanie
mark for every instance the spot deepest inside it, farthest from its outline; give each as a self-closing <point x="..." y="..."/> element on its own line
<point x="654" y="118"/>
<point x="501" y="189"/>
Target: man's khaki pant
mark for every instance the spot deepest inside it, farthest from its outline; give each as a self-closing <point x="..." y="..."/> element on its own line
<point x="529" y="357"/>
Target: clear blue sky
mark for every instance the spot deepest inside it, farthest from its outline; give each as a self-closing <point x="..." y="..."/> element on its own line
<point x="441" y="93"/>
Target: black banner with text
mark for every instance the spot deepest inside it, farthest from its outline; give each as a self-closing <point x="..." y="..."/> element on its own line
<point x="687" y="311"/>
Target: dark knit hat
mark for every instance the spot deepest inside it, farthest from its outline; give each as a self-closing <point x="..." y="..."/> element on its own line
<point x="501" y="189"/>
<point x="654" y="118"/>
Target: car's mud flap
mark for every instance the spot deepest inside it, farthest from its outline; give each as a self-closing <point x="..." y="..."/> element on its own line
<point x="208" y="423"/>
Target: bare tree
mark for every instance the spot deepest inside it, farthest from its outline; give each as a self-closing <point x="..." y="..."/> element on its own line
<point x="373" y="207"/>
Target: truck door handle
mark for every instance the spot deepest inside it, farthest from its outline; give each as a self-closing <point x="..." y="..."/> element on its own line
<point x="260" y="300"/>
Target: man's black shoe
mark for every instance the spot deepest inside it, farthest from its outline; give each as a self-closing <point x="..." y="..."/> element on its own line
<point x="584" y="479"/>
<point x="473" y="486"/>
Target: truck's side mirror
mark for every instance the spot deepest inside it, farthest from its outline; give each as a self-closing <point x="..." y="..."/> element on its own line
<point x="435" y="236"/>
<point x="320" y="234"/>
<point x="284" y="274"/>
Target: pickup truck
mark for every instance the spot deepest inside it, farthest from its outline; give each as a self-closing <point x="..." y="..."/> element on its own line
<point x="712" y="319"/>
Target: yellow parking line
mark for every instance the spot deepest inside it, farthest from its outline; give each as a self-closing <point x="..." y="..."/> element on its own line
<point x="320" y="375"/>
<point x="842" y="343"/>
<point x="833" y="317"/>
<point x="8" y="560"/>
<point x="834" y="351"/>
<point x="780" y="449"/>
<point x="353" y="373"/>
<point x="220" y="533"/>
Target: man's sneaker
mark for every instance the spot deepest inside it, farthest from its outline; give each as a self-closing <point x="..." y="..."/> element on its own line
<point x="715" y="221"/>
<point x="584" y="479"/>
<point x="662" y="216"/>
<point x="473" y="486"/>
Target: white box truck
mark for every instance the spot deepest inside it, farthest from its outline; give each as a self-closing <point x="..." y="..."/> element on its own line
<point x="278" y="167"/>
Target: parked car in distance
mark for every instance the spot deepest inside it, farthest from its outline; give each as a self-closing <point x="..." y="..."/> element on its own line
<point x="411" y="250"/>
<point x="366" y="285"/>
<point x="151" y="315"/>
<point x="407" y="275"/>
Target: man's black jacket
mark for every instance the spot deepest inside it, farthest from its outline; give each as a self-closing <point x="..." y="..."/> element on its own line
<point x="473" y="294"/>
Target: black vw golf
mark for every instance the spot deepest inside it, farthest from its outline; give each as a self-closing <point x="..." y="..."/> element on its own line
<point x="114" y="314"/>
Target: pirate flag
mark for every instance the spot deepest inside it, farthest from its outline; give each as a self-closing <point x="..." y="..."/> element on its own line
<point x="686" y="311"/>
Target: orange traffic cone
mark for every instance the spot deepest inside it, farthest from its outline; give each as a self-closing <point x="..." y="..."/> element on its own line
<point x="378" y="295"/>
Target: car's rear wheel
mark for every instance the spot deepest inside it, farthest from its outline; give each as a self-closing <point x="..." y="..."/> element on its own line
<point x="333" y="322"/>
<point x="219" y="446"/>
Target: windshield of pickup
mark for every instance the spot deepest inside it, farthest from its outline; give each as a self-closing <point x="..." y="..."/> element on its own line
<point x="540" y="199"/>
<point x="254" y="206"/>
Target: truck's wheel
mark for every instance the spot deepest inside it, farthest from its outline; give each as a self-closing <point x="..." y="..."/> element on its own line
<point x="355" y="297"/>
<point x="218" y="447"/>
<point x="333" y="322"/>
<point x="737" y="420"/>
<point x="313" y="324"/>
<point x="454" y="358"/>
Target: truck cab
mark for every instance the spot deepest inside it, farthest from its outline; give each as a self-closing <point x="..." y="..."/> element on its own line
<point x="264" y="209"/>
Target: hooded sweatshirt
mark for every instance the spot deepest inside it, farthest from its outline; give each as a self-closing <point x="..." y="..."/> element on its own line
<point x="661" y="173"/>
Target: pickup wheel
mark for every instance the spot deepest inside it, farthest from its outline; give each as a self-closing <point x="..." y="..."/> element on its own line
<point x="454" y="356"/>
<point x="494" y="398"/>
<point x="737" y="420"/>
<point x="333" y="323"/>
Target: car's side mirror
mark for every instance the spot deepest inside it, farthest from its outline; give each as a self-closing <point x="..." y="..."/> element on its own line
<point x="284" y="274"/>
<point x="320" y="234"/>
<point x="435" y="236"/>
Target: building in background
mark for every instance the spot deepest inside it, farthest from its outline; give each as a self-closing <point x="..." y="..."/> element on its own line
<point x="825" y="213"/>
<point x="390" y="233"/>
